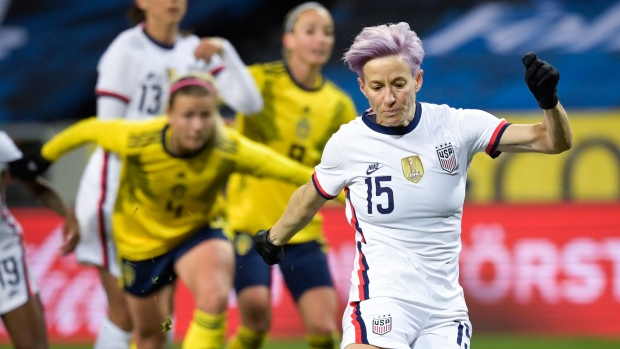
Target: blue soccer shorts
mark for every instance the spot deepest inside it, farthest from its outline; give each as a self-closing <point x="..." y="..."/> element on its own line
<point x="142" y="278"/>
<point x="304" y="266"/>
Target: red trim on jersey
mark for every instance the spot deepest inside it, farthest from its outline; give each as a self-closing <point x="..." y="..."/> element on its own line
<point x="320" y="189"/>
<point x="217" y="69"/>
<point x="494" y="141"/>
<point x="100" y="216"/>
<point x="101" y="93"/>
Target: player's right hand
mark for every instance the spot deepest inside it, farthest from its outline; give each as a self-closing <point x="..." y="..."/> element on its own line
<point x="271" y="253"/>
<point x="70" y="235"/>
<point x="29" y="167"/>
<point x="208" y="47"/>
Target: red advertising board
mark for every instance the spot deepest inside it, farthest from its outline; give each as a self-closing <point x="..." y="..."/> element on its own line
<point x="552" y="269"/>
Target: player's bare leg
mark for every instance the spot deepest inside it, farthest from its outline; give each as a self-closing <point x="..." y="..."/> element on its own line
<point x="254" y="304"/>
<point x="208" y="271"/>
<point x="320" y="322"/>
<point x="26" y="325"/>
<point x="148" y="316"/>
<point x="118" y="313"/>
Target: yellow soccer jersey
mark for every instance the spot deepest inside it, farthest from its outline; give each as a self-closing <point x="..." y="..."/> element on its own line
<point x="163" y="199"/>
<point x="295" y="122"/>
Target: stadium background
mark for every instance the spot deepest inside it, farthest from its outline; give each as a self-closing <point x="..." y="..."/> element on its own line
<point x="541" y="235"/>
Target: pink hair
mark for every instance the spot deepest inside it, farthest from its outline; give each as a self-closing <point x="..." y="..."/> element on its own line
<point x="385" y="40"/>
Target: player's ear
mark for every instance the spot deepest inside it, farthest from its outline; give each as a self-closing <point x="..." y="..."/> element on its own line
<point x="140" y="4"/>
<point x="419" y="80"/>
<point x="361" y="83"/>
<point x="287" y="41"/>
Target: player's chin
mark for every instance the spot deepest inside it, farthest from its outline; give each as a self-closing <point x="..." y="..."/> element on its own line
<point x="391" y="121"/>
<point x="195" y="144"/>
<point x="318" y="59"/>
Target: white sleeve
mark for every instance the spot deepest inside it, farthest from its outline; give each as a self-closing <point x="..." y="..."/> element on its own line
<point x="330" y="176"/>
<point x="481" y="131"/>
<point x="236" y="85"/>
<point x="110" y="108"/>
<point x="117" y="73"/>
<point x="8" y="150"/>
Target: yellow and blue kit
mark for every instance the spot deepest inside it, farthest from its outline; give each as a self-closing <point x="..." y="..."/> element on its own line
<point x="295" y="122"/>
<point x="164" y="199"/>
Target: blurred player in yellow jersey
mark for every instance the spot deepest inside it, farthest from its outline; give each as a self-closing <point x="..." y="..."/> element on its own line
<point x="301" y="111"/>
<point x="168" y="213"/>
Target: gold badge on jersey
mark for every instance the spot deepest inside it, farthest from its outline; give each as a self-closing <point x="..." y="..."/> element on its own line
<point x="412" y="168"/>
<point x="172" y="74"/>
<point x="129" y="274"/>
<point x="243" y="243"/>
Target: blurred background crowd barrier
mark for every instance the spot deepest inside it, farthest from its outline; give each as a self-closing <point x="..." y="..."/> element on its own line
<point x="541" y="235"/>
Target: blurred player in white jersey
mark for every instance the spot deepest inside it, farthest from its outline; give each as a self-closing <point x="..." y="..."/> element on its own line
<point x="20" y="306"/>
<point x="134" y="79"/>
<point x="403" y="165"/>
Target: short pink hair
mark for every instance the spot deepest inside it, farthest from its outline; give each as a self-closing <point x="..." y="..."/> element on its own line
<point x="385" y="40"/>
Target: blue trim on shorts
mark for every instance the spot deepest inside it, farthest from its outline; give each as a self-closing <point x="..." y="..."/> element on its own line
<point x="144" y="277"/>
<point x="304" y="266"/>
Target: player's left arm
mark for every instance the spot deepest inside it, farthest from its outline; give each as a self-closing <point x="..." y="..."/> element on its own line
<point x="261" y="161"/>
<point x="236" y="85"/>
<point x="553" y="135"/>
<point x="43" y="190"/>
<point x="49" y="196"/>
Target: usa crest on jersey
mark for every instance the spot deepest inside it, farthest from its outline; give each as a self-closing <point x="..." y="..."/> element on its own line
<point x="447" y="158"/>
<point x="382" y="325"/>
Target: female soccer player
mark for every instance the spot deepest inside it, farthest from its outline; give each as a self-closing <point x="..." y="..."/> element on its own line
<point x="403" y="165"/>
<point x="302" y="110"/>
<point x="20" y="305"/>
<point x="168" y="216"/>
<point x="134" y="78"/>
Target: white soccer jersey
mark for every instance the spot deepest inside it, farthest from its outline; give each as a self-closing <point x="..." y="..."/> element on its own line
<point x="137" y="70"/>
<point x="9" y="227"/>
<point x="405" y="192"/>
<point x="16" y="282"/>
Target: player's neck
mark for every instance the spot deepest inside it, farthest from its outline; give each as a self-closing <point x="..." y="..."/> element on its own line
<point x="306" y="75"/>
<point x="164" y="34"/>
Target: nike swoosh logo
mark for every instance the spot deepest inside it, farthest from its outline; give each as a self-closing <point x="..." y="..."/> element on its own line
<point x="373" y="170"/>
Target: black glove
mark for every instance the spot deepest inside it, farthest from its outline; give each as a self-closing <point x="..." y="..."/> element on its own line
<point x="29" y="167"/>
<point x="542" y="79"/>
<point x="271" y="253"/>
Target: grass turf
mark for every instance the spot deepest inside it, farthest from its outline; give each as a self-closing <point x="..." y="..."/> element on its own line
<point x="480" y="341"/>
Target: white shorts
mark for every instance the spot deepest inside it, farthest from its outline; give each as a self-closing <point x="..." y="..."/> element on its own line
<point x="392" y="323"/>
<point x="94" y="206"/>
<point x="16" y="282"/>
